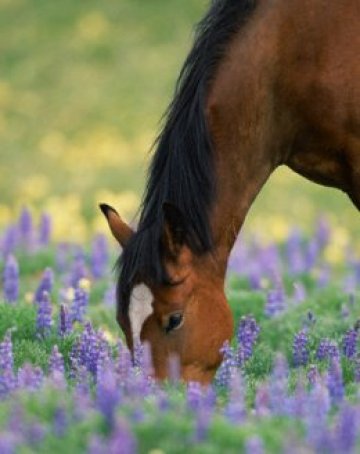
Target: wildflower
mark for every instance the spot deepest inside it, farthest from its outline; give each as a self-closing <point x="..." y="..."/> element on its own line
<point x="65" y="324"/>
<point x="312" y="375"/>
<point x="79" y="305"/>
<point x="294" y="253"/>
<point x="335" y="381"/>
<point x="9" y="241"/>
<point x="99" y="256"/>
<point x="60" y="422"/>
<point x="193" y="396"/>
<point x="248" y="332"/>
<point x="7" y="378"/>
<point x="236" y="408"/>
<point x="275" y="301"/>
<point x="254" y="445"/>
<point x="318" y="407"/>
<point x="262" y="400"/>
<point x="346" y="431"/>
<point x="45" y="228"/>
<point x="44" y="320"/>
<point x="120" y="437"/>
<point x="11" y="280"/>
<point x="350" y="343"/>
<point x="300" y="349"/>
<point x="56" y="362"/>
<point x="228" y="366"/>
<point x="327" y="350"/>
<point x="25" y="226"/>
<point x="278" y="385"/>
<point x="107" y="395"/>
<point x="30" y="377"/>
<point x="45" y="285"/>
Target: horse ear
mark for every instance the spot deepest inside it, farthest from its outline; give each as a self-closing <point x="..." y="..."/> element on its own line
<point x="120" y="230"/>
<point x="175" y="231"/>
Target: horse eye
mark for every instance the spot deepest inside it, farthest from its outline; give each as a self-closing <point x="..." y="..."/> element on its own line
<point x="175" y="320"/>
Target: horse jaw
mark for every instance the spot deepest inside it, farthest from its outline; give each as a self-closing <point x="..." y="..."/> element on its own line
<point x="139" y="309"/>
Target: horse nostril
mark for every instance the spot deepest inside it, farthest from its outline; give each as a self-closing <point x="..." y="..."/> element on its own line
<point x="174" y="322"/>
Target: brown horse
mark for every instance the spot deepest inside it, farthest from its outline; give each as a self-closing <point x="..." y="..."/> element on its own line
<point x="267" y="83"/>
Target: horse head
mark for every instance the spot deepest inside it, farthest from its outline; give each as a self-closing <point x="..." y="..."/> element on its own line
<point x="186" y="316"/>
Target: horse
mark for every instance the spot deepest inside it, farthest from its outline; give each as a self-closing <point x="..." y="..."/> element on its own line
<point x="266" y="83"/>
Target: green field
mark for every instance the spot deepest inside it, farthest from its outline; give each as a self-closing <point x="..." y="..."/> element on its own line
<point x="83" y="86"/>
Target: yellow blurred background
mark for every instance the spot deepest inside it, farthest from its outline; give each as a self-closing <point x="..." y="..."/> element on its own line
<point x="83" y="86"/>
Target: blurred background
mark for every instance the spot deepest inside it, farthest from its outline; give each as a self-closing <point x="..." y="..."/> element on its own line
<point x="83" y="86"/>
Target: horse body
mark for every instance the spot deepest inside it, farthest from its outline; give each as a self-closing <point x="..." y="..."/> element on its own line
<point x="286" y="91"/>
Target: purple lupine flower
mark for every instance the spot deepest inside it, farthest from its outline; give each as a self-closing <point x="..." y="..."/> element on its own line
<point x="45" y="285"/>
<point x="235" y="411"/>
<point x="318" y="407"/>
<point x="56" y="362"/>
<point x="300" y="348"/>
<point x="25" y="226"/>
<point x="138" y="354"/>
<point x="193" y="396"/>
<point x="120" y="437"/>
<point x="99" y="256"/>
<point x="346" y="430"/>
<point x="350" y="343"/>
<point x="9" y="241"/>
<point x="202" y="423"/>
<point x="275" y="301"/>
<point x="45" y="228"/>
<point x="87" y="350"/>
<point x="78" y="269"/>
<point x="107" y="395"/>
<point x="9" y="443"/>
<point x="6" y="353"/>
<point x="262" y="400"/>
<point x="312" y="375"/>
<point x="60" y="422"/>
<point x="322" y="233"/>
<point x="248" y="332"/>
<point x="65" y="324"/>
<point x="11" y="279"/>
<point x="7" y="378"/>
<point x="294" y="253"/>
<point x="297" y="402"/>
<point x="79" y="305"/>
<point x="327" y="349"/>
<point x="35" y="434"/>
<point x="254" y="445"/>
<point x="124" y="362"/>
<point x="44" y="311"/>
<point x="311" y="254"/>
<point x="335" y="381"/>
<point x="279" y="385"/>
<point x="228" y="366"/>
<point x="30" y="377"/>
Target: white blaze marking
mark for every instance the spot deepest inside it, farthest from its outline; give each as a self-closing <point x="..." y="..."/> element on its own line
<point x="140" y="308"/>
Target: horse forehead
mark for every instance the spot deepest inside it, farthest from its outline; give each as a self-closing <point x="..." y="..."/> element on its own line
<point x="140" y="308"/>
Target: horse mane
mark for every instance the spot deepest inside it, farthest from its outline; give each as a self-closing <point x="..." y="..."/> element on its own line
<point x="182" y="169"/>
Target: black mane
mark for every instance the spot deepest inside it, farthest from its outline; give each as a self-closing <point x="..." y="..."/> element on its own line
<point x="182" y="168"/>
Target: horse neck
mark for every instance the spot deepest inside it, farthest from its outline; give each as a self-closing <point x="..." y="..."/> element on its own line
<point x="249" y="135"/>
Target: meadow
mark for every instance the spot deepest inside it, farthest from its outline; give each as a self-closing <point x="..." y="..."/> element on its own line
<point x="83" y="86"/>
<point x="289" y="381"/>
